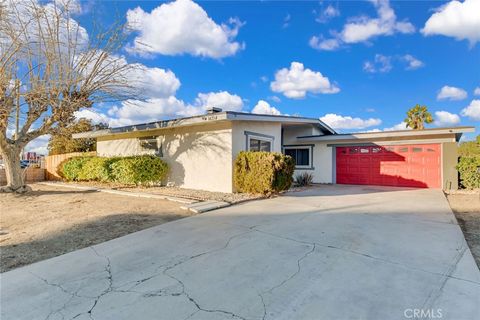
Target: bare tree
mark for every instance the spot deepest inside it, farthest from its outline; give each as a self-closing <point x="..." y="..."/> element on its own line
<point x="50" y="67"/>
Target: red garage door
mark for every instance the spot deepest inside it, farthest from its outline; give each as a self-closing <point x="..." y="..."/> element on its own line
<point x="416" y="165"/>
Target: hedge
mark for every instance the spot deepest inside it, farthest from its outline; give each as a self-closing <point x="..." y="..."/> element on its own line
<point x="128" y="170"/>
<point x="97" y="169"/>
<point x="137" y="170"/>
<point x="468" y="169"/>
<point x="70" y="169"/>
<point x="263" y="172"/>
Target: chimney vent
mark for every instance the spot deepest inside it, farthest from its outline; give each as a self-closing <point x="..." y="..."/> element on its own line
<point x="213" y="110"/>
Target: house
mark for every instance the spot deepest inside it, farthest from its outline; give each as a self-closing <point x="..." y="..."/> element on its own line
<point x="200" y="150"/>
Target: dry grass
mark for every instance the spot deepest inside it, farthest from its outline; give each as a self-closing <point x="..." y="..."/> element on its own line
<point x="466" y="206"/>
<point x="52" y="221"/>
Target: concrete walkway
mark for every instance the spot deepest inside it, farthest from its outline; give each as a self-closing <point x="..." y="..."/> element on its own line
<point x="330" y="252"/>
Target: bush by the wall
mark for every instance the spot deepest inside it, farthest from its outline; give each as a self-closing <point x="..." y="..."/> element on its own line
<point x="468" y="170"/>
<point x="128" y="170"/>
<point x="139" y="169"/>
<point x="263" y="172"/>
<point x="71" y="168"/>
<point x="97" y="169"/>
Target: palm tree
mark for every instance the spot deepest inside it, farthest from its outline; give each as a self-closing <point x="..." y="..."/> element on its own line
<point x="417" y="117"/>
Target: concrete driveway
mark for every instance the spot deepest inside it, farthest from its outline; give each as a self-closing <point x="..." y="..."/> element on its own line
<point x="332" y="252"/>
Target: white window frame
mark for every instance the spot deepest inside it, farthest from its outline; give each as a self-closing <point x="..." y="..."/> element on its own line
<point x="310" y="156"/>
<point x="258" y="136"/>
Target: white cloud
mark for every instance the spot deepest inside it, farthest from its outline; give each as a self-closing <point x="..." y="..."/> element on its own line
<point x="381" y="64"/>
<point x="326" y="14"/>
<point x="181" y="27"/>
<point x="286" y="21"/>
<point x="346" y="122"/>
<point x="153" y="82"/>
<point x="263" y="107"/>
<point x="92" y="114"/>
<point x="363" y="28"/>
<point x="476" y="91"/>
<point x="445" y="118"/>
<point x="19" y="13"/>
<point x="275" y="99"/>
<point x="460" y="20"/>
<point x="38" y="145"/>
<point x="296" y="81"/>
<point x="320" y="43"/>
<point x="472" y="111"/>
<point x="221" y="99"/>
<point x="413" y="63"/>
<point x="154" y="109"/>
<point x="398" y="126"/>
<point x="451" y="93"/>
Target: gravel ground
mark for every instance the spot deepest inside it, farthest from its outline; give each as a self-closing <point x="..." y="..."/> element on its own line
<point x="51" y="221"/>
<point x="200" y="195"/>
<point x="466" y="206"/>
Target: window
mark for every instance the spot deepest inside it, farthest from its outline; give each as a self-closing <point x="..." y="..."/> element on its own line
<point x="259" y="145"/>
<point x="301" y="154"/>
<point x="148" y="143"/>
<point x="258" y="141"/>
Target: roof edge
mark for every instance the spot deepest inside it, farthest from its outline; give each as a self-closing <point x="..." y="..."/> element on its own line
<point x="204" y="118"/>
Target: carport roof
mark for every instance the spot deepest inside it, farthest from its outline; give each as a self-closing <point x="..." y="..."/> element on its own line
<point x="366" y="136"/>
<point x="207" y="118"/>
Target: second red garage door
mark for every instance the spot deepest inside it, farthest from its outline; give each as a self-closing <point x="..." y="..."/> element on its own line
<point x="403" y="166"/>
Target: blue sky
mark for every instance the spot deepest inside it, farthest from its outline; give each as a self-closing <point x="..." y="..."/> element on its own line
<point x="358" y="65"/>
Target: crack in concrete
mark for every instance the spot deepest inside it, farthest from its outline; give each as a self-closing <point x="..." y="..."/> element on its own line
<point x="161" y="292"/>
<point x="299" y="261"/>
<point x="187" y="295"/>
<point x="108" y="270"/>
<point x="56" y="285"/>
<point x="435" y="293"/>
<point x="356" y="253"/>
<point x="264" y="306"/>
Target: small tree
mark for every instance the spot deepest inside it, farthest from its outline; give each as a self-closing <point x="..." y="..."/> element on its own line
<point x="61" y="140"/>
<point x="417" y="117"/>
<point x="51" y="67"/>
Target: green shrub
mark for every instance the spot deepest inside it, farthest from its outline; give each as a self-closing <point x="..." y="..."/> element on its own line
<point x="304" y="179"/>
<point x="263" y="172"/>
<point x="139" y="169"/>
<point x="97" y="169"/>
<point x="70" y="169"/>
<point x="468" y="169"/>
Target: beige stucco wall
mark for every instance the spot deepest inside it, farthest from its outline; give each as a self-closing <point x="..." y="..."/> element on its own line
<point x="200" y="157"/>
<point x="449" y="163"/>
<point x="322" y="164"/>
<point x="290" y="133"/>
<point x="265" y="128"/>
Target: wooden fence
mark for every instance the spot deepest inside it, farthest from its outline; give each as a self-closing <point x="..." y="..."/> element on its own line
<point x="52" y="162"/>
<point x="31" y="175"/>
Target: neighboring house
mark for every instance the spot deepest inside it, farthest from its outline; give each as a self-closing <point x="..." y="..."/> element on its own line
<point x="201" y="150"/>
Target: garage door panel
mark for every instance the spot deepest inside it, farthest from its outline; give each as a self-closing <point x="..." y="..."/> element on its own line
<point x="405" y="165"/>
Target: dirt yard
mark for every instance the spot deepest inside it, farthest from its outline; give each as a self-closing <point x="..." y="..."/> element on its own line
<point x="466" y="207"/>
<point x="51" y="221"/>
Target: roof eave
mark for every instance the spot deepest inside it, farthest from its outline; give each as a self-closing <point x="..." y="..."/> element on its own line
<point x="458" y="131"/>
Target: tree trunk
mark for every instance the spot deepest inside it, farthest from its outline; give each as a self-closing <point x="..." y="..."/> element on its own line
<point x="13" y="172"/>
